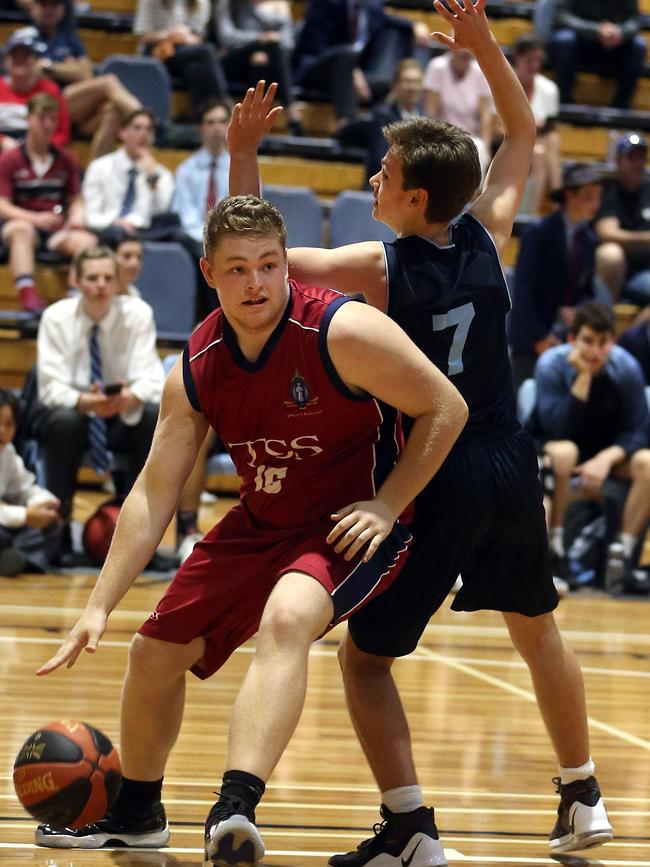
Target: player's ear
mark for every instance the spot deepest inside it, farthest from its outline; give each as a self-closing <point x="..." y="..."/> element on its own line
<point x="206" y="270"/>
<point x="418" y="197"/>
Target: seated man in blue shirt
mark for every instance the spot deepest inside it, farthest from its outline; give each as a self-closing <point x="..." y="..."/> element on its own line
<point x="97" y="104"/>
<point x="593" y="417"/>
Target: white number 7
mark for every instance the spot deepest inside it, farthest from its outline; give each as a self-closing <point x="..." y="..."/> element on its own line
<point x="459" y="318"/>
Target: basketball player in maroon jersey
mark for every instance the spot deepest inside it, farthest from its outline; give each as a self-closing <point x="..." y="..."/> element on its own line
<point x="305" y="387"/>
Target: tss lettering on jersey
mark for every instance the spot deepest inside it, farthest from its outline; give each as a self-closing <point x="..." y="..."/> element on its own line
<point x="459" y="318"/>
<point x="262" y="449"/>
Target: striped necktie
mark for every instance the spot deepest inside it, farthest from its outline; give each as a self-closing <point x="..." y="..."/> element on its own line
<point x="100" y="455"/>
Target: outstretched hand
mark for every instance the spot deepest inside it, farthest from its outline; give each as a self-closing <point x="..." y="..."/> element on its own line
<point x="469" y="24"/>
<point x="252" y="118"/>
<point x="84" y="635"/>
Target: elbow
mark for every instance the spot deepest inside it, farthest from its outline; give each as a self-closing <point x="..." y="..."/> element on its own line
<point x="458" y="414"/>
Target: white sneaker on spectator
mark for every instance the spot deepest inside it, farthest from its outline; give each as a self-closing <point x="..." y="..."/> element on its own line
<point x="561" y="586"/>
<point x="187" y="546"/>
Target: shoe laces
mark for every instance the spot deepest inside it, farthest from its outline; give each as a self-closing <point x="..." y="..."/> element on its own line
<point x="557" y="782"/>
<point x="225" y="807"/>
<point x="379" y="828"/>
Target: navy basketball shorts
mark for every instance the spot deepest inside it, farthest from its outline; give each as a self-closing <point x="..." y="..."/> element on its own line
<point x="220" y="591"/>
<point x="480" y="517"/>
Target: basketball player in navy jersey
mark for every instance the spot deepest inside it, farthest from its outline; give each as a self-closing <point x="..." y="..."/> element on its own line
<point x="291" y="378"/>
<point x="482" y="515"/>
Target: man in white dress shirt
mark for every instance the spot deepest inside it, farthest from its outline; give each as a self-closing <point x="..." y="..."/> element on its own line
<point x="124" y="190"/>
<point x="94" y="343"/>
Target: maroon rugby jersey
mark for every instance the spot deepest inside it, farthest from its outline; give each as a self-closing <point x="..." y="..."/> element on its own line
<point x="304" y="445"/>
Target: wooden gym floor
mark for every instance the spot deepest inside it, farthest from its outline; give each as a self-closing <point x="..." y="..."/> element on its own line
<point x="484" y="759"/>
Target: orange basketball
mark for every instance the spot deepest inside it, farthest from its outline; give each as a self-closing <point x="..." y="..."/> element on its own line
<point x="98" y="532"/>
<point x="67" y="774"/>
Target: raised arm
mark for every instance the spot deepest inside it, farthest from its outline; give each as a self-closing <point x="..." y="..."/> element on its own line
<point x="251" y="120"/>
<point x="373" y="354"/>
<point x="506" y="178"/>
<point x="144" y="516"/>
<point x="351" y="269"/>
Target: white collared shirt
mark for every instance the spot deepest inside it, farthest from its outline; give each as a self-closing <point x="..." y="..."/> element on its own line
<point x="127" y="342"/>
<point x="18" y="489"/>
<point x="104" y="188"/>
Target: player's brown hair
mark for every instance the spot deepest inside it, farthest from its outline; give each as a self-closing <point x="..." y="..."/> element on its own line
<point x="437" y="157"/>
<point x="242" y="215"/>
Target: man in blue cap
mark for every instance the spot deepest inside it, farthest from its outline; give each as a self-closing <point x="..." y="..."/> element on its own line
<point x="623" y="224"/>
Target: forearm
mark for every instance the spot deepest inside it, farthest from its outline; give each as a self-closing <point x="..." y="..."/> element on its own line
<point x="244" y="174"/>
<point x="510" y="101"/>
<point x="582" y="386"/>
<point x="613" y="455"/>
<point x="9" y="211"/>
<point x="430" y="441"/>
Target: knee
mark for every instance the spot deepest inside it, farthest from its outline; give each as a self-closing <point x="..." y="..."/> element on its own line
<point x="639" y="49"/>
<point x="640" y="466"/>
<point x="151" y="660"/>
<point x="610" y="255"/>
<point x="563" y="455"/>
<point x="283" y="624"/>
<point x="564" y="40"/>
<point x="65" y="425"/>
<point x="19" y="230"/>
<point x="531" y="635"/>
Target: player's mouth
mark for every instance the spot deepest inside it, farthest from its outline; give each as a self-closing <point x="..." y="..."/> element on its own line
<point x="255" y="302"/>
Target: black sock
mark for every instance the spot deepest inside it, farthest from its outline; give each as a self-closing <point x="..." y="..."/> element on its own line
<point x="138" y="799"/>
<point x="186" y="524"/>
<point x="247" y="787"/>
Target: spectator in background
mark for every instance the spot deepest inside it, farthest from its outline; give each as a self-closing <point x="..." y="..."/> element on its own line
<point x="593" y="418"/>
<point x="636" y="341"/>
<point x="29" y="515"/>
<point x="128" y="255"/>
<point x="404" y="100"/>
<point x="201" y="182"/>
<point x="39" y="200"/>
<point x="256" y="39"/>
<point x="24" y="81"/>
<point x="601" y="34"/>
<point x="173" y="31"/>
<point x="350" y="49"/>
<point x="555" y="270"/>
<point x="456" y="90"/>
<point x="124" y="190"/>
<point x="84" y="344"/>
<point x="623" y="224"/>
<point x="544" y="97"/>
<point x="98" y="104"/>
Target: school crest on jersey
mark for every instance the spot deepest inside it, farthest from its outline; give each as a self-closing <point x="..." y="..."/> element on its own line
<point x="300" y="392"/>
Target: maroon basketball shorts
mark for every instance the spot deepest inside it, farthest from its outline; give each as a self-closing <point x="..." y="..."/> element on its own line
<point x="220" y="591"/>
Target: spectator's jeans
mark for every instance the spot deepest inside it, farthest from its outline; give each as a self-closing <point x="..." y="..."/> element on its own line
<point x="62" y="436"/>
<point x="569" y="53"/>
<point x="637" y="288"/>
<point x="40" y="547"/>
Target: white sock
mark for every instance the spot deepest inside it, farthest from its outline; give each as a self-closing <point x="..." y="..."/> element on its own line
<point x="404" y="799"/>
<point x="570" y="775"/>
<point x="556" y="540"/>
<point x="628" y="541"/>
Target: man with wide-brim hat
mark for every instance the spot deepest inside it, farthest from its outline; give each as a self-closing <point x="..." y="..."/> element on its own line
<point x="623" y="224"/>
<point x="555" y="269"/>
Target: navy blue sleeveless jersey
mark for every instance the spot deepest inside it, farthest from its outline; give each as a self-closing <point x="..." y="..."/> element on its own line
<point x="452" y="302"/>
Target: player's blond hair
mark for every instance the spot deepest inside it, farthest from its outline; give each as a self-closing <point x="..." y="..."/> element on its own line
<point x="242" y="215"/>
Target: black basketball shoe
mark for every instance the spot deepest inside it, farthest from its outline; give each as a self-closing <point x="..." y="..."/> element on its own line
<point x="401" y="840"/>
<point x="231" y="838"/>
<point x="582" y="819"/>
<point x="109" y="832"/>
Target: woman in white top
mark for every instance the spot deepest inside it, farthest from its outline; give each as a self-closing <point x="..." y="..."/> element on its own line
<point x="456" y="90"/>
<point x="544" y="96"/>
<point x="173" y="31"/>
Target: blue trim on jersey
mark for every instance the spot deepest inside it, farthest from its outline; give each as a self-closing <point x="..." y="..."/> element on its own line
<point x="230" y="339"/>
<point x="328" y="364"/>
<point x="188" y="381"/>
<point x="364" y="578"/>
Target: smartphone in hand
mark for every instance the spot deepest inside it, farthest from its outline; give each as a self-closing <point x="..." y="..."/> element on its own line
<point x="112" y="388"/>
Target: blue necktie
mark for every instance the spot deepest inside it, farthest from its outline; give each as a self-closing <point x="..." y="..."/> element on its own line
<point x="129" y="196"/>
<point x="100" y="455"/>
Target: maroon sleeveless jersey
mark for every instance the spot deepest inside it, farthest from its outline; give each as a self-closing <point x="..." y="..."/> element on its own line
<point x="303" y="444"/>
